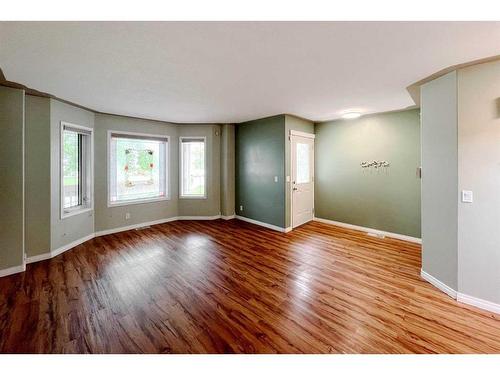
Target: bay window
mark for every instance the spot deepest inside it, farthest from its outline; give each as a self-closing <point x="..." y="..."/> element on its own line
<point x="138" y="168"/>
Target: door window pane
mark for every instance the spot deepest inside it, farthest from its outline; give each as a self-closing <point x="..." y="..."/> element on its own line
<point x="302" y="160"/>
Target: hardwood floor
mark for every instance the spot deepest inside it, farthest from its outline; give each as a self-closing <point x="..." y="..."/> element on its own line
<point x="233" y="287"/>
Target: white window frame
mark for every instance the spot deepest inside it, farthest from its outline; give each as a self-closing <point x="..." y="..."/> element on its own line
<point x="89" y="206"/>
<point x="181" y="171"/>
<point x="167" y="168"/>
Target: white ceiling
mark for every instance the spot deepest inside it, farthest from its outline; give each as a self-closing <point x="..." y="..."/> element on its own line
<point x="237" y="71"/>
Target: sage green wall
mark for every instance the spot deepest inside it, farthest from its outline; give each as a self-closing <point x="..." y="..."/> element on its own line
<point x="12" y="178"/>
<point x="37" y="175"/>
<point x="302" y="125"/>
<point x="107" y="218"/>
<point x="227" y="197"/>
<point x="67" y="230"/>
<point x="211" y="205"/>
<point x="260" y="156"/>
<point x="439" y="179"/>
<point x="388" y="199"/>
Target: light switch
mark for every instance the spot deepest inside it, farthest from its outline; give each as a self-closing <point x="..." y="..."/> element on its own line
<point x="275" y="178"/>
<point x="467" y="196"/>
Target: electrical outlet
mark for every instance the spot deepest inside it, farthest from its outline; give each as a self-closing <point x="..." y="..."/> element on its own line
<point x="241" y="208"/>
<point x="127" y="216"/>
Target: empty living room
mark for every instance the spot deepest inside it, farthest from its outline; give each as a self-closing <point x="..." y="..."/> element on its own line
<point x="249" y="187"/>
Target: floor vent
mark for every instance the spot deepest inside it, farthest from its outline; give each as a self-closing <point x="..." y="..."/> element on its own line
<point x="144" y="227"/>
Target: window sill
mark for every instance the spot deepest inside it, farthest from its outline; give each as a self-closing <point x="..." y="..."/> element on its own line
<point x="192" y="197"/>
<point x="136" y="201"/>
<point x="74" y="212"/>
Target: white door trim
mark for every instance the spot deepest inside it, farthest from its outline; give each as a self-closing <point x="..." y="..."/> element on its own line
<point x="296" y="133"/>
<point x="302" y="134"/>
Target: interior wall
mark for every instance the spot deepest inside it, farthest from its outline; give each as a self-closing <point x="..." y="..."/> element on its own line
<point x="12" y="178"/>
<point x="107" y="218"/>
<point x="440" y="178"/>
<point x="37" y="175"/>
<point x="260" y="170"/>
<point x="210" y="206"/>
<point x="73" y="228"/>
<point x="227" y="170"/>
<point x="302" y="125"/>
<point x="387" y="199"/>
<point x="479" y="171"/>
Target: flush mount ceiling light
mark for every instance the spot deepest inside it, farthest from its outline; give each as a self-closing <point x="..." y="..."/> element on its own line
<point x="351" y="115"/>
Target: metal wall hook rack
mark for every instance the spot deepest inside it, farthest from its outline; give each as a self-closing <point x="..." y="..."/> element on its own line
<point x="375" y="164"/>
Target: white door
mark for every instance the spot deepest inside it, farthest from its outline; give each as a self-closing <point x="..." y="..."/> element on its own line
<point x="302" y="151"/>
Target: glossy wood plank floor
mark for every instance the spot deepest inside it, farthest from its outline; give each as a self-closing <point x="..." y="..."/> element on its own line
<point x="233" y="287"/>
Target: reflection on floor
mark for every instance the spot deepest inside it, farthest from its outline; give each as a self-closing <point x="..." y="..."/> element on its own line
<point x="229" y="286"/>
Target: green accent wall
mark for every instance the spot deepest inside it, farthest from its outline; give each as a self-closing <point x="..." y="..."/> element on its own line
<point x="388" y="199"/>
<point x="12" y="179"/>
<point x="260" y="157"/>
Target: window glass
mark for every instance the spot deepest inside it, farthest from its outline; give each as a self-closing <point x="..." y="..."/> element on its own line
<point x="71" y="169"/>
<point x="303" y="172"/>
<point x="193" y="167"/>
<point x="137" y="169"/>
<point x="76" y="168"/>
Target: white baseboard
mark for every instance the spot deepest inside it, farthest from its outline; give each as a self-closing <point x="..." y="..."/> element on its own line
<point x="228" y="217"/>
<point x="134" y="226"/>
<point x="154" y="222"/>
<point x="370" y="230"/>
<point x="71" y="245"/>
<point x="478" y="302"/>
<point x="38" y="258"/>
<point x="262" y="224"/>
<point x="215" y="217"/>
<point x="62" y="249"/>
<point x="439" y="284"/>
<point x="12" y="270"/>
<point x="461" y="297"/>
